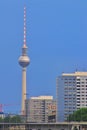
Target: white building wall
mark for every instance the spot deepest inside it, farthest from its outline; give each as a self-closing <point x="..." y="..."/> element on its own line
<point x="71" y="93"/>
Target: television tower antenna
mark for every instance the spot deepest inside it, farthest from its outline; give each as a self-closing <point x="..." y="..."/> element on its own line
<point x="25" y="26"/>
<point x="24" y="61"/>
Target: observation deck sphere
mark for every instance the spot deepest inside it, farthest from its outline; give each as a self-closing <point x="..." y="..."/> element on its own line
<point x="24" y="61"/>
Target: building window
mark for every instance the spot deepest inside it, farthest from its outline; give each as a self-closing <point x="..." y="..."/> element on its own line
<point x="78" y="104"/>
<point x="78" y="79"/>
<point x="78" y="85"/>
<point x="82" y="82"/>
<point x="78" y="101"/>
<point x="65" y="82"/>
<point x="78" y="88"/>
<point x="78" y="98"/>
<point x="78" y="82"/>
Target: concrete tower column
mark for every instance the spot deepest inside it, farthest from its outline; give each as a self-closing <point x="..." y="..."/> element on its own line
<point x="23" y="89"/>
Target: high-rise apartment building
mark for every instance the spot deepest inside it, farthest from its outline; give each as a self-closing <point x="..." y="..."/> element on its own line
<point x="41" y="109"/>
<point x="71" y="93"/>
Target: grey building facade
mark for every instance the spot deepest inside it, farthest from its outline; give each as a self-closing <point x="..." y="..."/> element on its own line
<point x="71" y="93"/>
<point x="41" y="109"/>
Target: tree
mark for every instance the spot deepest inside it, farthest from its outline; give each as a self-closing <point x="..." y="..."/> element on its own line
<point x="7" y="119"/>
<point x="16" y="119"/>
<point x="1" y="119"/>
<point x="75" y="128"/>
<point x="13" y="119"/>
<point x="79" y="115"/>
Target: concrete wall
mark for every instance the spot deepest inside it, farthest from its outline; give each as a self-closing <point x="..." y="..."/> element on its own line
<point x="48" y="127"/>
<point x="44" y="126"/>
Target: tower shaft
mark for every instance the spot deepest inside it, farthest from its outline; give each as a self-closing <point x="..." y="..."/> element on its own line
<point x="24" y="61"/>
<point x="23" y="90"/>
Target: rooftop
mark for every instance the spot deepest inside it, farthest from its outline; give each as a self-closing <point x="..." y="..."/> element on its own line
<point x="78" y="73"/>
<point x="43" y="97"/>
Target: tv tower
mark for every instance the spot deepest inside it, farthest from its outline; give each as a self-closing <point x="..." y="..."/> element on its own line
<point x="24" y="61"/>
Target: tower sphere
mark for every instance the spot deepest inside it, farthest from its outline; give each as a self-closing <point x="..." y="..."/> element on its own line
<point x="24" y="61"/>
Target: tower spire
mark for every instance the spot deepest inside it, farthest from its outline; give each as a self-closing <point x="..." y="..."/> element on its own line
<point x="24" y="25"/>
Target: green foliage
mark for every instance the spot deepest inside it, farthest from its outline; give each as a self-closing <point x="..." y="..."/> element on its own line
<point x="75" y="128"/>
<point x="1" y="119"/>
<point x="6" y="119"/>
<point x="79" y="115"/>
<point x="13" y="119"/>
<point x="16" y="119"/>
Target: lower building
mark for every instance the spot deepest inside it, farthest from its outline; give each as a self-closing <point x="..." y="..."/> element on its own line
<point x="40" y="109"/>
<point x="2" y="115"/>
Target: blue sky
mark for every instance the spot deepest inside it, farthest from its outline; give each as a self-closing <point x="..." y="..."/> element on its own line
<point x="56" y="39"/>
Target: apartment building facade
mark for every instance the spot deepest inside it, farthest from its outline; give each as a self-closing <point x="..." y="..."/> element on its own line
<point x="71" y="93"/>
<point x="41" y="109"/>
